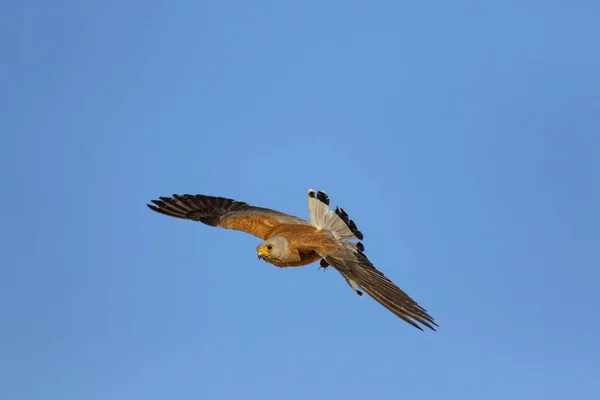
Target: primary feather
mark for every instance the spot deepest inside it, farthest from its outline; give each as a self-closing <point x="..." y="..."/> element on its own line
<point x="350" y="261"/>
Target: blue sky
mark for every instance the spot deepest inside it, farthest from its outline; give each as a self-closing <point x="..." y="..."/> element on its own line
<point x="462" y="138"/>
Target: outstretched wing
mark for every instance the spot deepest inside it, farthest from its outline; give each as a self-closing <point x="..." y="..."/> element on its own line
<point x="224" y="213"/>
<point x="356" y="268"/>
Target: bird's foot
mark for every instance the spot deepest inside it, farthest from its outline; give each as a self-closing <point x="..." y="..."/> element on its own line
<point x="323" y="264"/>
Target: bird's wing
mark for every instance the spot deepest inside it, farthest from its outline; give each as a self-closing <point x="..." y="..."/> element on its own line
<point x="224" y="213"/>
<point x="356" y="268"/>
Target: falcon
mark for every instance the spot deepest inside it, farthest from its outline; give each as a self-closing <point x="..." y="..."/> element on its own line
<point x="289" y="241"/>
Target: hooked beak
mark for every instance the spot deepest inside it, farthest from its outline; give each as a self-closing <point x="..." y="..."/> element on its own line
<point x="262" y="253"/>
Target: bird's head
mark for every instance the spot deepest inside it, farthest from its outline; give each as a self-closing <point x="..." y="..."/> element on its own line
<point x="272" y="249"/>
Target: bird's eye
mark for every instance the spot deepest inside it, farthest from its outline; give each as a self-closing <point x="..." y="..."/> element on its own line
<point x="269" y="247"/>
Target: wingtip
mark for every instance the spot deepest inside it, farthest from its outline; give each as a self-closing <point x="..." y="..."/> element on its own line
<point x="430" y="323"/>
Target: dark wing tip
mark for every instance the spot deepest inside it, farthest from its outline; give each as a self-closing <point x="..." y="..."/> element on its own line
<point x="164" y="211"/>
<point x="415" y="320"/>
<point x="354" y="265"/>
<point x="206" y="209"/>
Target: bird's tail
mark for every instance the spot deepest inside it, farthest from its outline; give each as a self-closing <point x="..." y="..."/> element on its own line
<point x="335" y="221"/>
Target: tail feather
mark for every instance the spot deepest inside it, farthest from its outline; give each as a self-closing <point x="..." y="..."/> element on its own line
<point x="336" y="222"/>
<point x="318" y="205"/>
<point x="338" y="227"/>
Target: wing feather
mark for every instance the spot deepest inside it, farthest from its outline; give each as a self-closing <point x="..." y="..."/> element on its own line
<point x="356" y="268"/>
<point x="224" y="213"/>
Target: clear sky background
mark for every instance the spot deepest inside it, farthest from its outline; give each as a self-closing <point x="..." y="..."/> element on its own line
<point x="463" y="138"/>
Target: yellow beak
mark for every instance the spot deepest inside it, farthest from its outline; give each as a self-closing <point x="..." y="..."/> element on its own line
<point x="263" y="252"/>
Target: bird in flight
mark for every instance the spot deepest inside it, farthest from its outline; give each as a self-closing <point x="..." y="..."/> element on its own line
<point x="289" y="241"/>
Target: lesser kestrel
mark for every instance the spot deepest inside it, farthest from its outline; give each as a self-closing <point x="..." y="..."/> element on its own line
<point x="289" y="241"/>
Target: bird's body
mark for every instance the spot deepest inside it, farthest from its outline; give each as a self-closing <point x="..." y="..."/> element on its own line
<point x="289" y="241"/>
<point x="304" y="245"/>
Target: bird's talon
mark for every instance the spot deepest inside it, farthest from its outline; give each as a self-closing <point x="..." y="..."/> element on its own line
<point x="323" y="264"/>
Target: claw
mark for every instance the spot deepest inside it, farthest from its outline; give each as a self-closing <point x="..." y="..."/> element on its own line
<point x="323" y="264"/>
